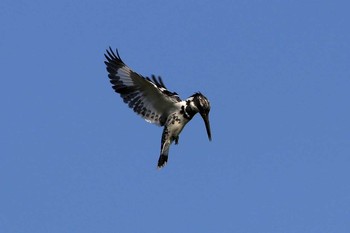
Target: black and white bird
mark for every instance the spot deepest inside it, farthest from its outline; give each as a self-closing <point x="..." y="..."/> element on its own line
<point x="150" y="99"/>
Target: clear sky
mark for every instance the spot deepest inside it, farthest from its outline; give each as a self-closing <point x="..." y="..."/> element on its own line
<point x="75" y="158"/>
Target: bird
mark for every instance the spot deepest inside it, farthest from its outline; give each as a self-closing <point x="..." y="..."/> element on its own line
<point x="150" y="99"/>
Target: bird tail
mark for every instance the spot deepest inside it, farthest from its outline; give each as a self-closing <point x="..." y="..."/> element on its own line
<point x="164" y="148"/>
<point x="163" y="159"/>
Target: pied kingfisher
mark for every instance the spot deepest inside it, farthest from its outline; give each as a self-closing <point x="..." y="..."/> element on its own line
<point x="150" y="99"/>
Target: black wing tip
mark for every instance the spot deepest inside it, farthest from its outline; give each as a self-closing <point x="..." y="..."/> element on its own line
<point x="157" y="81"/>
<point x="110" y="55"/>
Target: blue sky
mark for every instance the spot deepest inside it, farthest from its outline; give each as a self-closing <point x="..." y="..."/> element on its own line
<point x="74" y="158"/>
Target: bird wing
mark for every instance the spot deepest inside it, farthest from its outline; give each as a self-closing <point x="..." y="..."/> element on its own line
<point x="148" y="97"/>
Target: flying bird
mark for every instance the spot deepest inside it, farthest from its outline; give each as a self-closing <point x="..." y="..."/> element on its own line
<point x="150" y="99"/>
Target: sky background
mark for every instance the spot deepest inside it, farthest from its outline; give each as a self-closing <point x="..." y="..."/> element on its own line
<point x="75" y="158"/>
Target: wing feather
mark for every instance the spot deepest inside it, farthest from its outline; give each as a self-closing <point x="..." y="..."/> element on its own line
<point x="149" y="98"/>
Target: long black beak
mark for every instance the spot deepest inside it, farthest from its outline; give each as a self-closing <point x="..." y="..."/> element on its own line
<point x="207" y="124"/>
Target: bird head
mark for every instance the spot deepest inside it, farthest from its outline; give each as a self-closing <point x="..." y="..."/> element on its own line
<point x="202" y="104"/>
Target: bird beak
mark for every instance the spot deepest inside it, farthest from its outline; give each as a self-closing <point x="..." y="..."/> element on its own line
<point x="207" y="124"/>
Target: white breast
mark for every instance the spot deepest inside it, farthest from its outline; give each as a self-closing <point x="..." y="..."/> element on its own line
<point x="175" y="123"/>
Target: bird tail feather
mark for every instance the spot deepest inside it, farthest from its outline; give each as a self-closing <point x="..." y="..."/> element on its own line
<point x="162" y="161"/>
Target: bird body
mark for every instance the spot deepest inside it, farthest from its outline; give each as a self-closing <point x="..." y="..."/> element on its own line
<point x="150" y="99"/>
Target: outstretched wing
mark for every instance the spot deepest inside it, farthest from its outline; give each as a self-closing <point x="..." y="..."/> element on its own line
<point x="149" y="98"/>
